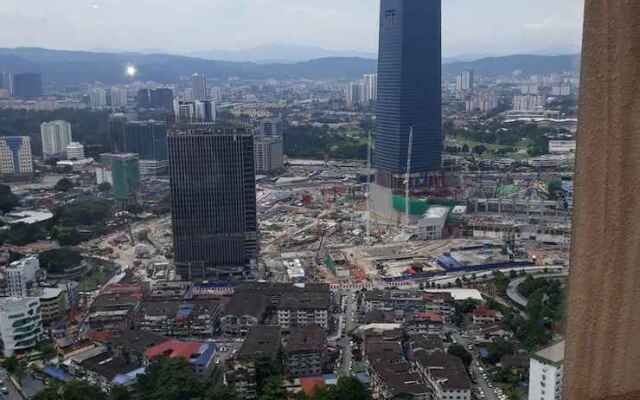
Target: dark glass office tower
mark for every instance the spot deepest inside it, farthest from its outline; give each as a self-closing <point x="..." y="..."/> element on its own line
<point x="147" y="138"/>
<point x="213" y="202"/>
<point x="409" y="88"/>
<point x="27" y="85"/>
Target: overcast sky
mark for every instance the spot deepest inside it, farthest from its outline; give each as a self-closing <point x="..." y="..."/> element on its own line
<point x="470" y="26"/>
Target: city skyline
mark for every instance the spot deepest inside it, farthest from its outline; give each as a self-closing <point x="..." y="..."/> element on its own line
<point x="513" y="27"/>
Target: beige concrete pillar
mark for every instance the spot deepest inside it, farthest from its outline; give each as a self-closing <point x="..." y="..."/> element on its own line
<point x="603" y="318"/>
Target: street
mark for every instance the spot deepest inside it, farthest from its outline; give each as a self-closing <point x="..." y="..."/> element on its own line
<point x="6" y="382"/>
<point x="347" y="325"/>
<point x="482" y="383"/>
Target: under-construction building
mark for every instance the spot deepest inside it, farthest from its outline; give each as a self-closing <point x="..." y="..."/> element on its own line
<point x="409" y="137"/>
<point x="213" y="201"/>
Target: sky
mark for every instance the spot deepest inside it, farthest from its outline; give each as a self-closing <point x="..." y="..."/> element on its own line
<point x="488" y="27"/>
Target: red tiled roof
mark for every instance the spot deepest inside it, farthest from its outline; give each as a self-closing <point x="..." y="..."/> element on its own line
<point x="99" y="336"/>
<point x="484" y="311"/>
<point x="430" y="315"/>
<point x="310" y="384"/>
<point x="173" y="348"/>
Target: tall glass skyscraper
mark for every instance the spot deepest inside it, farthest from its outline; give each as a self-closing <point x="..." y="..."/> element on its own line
<point x="409" y="96"/>
<point x="409" y="88"/>
<point x="213" y="202"/>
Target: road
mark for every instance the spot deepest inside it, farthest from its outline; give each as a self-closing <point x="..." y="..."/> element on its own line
<point x="515" y="296"/>
<point x="6" y="382"/>
<point x="482" y="383"/>
<point x="347" y="325"/>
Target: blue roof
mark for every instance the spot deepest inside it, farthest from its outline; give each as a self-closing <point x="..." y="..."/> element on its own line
<point x="448" y="262"/>
<point x="330" y="379"/>
<point x="207" y="351"/>
<point x="129" y="377"/>
<point x="57" y="373"/>
<point x="484" y="353"/>
<point x="363" y="377"/>
<point x="184" y="310"/>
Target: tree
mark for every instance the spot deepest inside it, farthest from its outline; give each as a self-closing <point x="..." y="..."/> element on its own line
<point x="460" y="352"/>
<point x="8" y="200"/>
<point x="80" y="390"/>
<point x="349" y="388"/>
<point x="273" y="390"/>
<point x="221" y="392"/>
<point x="104" y="187"/>
<point x="119" y="392"/>
<point x="553" y="187"/>
<point x="11" y="364"/>
<point x="169" y="379"/>
<point x="479" y="149"/>
<point x="63" y="185"/>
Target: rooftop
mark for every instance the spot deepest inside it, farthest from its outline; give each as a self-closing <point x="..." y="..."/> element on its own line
<point x="553" y="354"/>
<point x="306" y="339"/>
<point x="263" y="340"/>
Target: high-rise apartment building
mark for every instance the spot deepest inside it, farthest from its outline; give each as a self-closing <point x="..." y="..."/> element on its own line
<point x="20" y="324"/>
<point x="74" y="151"/>
<point x="354" y="94"/>
<point x="269" y="154"/>
<point x="465" y="81"/>
<point x="270" y="127"/>
<point x="22" y="276"/>
<point x="148" y="139"/>
<point x="546" y="373"/>
<point x="15" y="155"/>
<point x="195" y="111"/>
<point x="98" y="98"/>
<point x="369" y="88"/>
<point x="117" y="131"/>
<point x="56" y="136"/>
<point x="409" y="100"/>
<point x="26" y="85"/>
<point x="528" y="103"/>
<point x="119" y="97"/>
<point x="213" y="202"/>
<point x="199" y="87"/>
<point x="155" y="98"/>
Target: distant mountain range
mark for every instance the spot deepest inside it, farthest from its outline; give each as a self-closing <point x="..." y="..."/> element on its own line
<point x="63" y="67"/>
<point x="279" y="53"/>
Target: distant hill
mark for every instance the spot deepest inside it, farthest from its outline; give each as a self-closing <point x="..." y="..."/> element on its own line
<point x="279" y="53"/>
<point x="72" y="67"/>
<point x="528" y="64"/>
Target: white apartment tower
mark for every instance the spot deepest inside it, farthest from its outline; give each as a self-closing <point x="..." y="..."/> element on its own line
<point x="369" y="88"/>
<point x="15" y="155"/>
<point x="75" y="150"/>
<point x="56" y="136"/>
<point x="20" y="324"/>
<point x="546" y="372"/>
<point x="22" y="276"/>
<point x="199" y="87"/>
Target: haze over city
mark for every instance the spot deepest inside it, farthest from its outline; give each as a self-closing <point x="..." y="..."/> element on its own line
<point x="470" y="27"/>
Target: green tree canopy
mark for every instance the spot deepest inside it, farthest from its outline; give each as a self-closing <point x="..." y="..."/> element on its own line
<point x="169" y="379"/>
<point x="63" y="185"/>
<point x="8" y="200"/>
<point x="462" y="353"/>
<point x="104" y="187"/>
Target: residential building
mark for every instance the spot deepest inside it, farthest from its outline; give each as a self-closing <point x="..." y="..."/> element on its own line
<point x="483" y="103"/>
<point x="199" y="87"/>
<point x="546" y="373"/>
<point x="305" y="350"/>
<point x="409" y="100"/>
<point x="304" y="308"/>
<point x="528" y="103"/>
<point x="74" y="151"/>
<point x="119" y="97"/>
<point x="22" y="276"/>
<point x="269" y="154"/>
<point x="465" y="81"/>
<point x="115" y="307"/>
<point x="98" y="97"/>
<point x="369" y="88"/>
<point x="392" y="376"/>
<point x="20" y="324"/>
<point x="56" y="136"/>
<point x="243" y="312"/>
<point x="354" y="92"/>
<point x="262" y="343"/>
<point x="15" y="156"/>
<point x="195" y="111"/>
<point x="213" y="202"/>
<point x="199" y="355"/>
<point x="180" y="318"/>
<point x="26" y="85"/>
<point x="117" y="131"/>
<point x="482" y="314"/>
<point x="424" y="323"/>
<point x="446" y="374"/>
